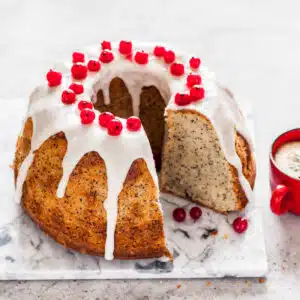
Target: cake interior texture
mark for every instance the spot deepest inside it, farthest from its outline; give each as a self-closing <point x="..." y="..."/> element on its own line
<point x="194" y="166"/>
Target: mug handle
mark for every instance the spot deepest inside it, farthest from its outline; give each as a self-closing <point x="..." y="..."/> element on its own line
<point x="279" y="202"/>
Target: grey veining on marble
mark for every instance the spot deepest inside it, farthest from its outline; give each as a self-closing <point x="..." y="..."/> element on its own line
<point x="27" y="253"/>
<point x="253" y="46"/>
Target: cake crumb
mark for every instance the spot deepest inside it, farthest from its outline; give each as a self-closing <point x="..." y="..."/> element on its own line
<point x="214" y="232"/>
<point x="225" y="236"/>
<point x="178" y="285"/>
<point x="11" y="166"/>
<point x="208" y="283"/>
<point x="261" y="280"/>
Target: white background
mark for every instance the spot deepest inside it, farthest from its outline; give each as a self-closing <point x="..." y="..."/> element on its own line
<point x="254" y="48"/>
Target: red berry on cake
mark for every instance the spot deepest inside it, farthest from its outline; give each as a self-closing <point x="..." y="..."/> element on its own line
<point x="177" y="69"/>
<point x="169" y="57"/>
<point x="68" y="97"/>
<point x="193" y="79"/>
<point x="125" y="47"/>
<point x="79" y="71"/>
<point x="77" y="88"/>
<point x="141" y="57"/>
<point x="197" y="93"/>
<point x="195" y="213"/>
<point x="195" y="63"/>
<point x="93" y="65"/>
<point x="87" y="116"/>
<point x="240" y="225"/>
<point x="179" y="214"/>
<point x="106" y="45"/>
<point x="104" y="118"/>
<point x="106" y="56"/>
<point x="84" y="105"/>
<point x="159" y="51"/>
<point x="182" y="99"/>
<point x="77" y="57"/>
<point x="114" y="127"/>
<point x="133" y="124"/>
<point x="53" y="78"/>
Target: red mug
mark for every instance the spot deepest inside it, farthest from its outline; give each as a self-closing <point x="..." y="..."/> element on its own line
<point x="285" y="189"/>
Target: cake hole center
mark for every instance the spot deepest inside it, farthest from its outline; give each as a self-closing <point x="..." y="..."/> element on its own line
<point x="151" y="108"/>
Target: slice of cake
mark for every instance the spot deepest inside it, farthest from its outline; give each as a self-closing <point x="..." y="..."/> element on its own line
<point x="206" y="158"/>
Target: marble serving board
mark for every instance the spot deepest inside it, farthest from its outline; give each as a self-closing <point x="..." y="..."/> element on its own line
<point x="207" y="248"/>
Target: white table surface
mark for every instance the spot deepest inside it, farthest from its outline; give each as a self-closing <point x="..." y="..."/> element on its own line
<point x="254" y="48"/>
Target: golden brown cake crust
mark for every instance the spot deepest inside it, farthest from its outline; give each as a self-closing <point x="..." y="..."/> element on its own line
<point x="249" y="169"/>
<point x="78" y="220"/>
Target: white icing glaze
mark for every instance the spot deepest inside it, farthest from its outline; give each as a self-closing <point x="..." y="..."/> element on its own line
<point x="51" y="116"/>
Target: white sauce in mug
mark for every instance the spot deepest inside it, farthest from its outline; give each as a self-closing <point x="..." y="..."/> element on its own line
<point x="287" y="158"/>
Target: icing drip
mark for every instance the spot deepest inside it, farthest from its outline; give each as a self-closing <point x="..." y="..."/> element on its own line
<point x="50" y="116"/>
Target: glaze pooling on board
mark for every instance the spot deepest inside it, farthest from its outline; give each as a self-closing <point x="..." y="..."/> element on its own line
<point x="50" y="116"/>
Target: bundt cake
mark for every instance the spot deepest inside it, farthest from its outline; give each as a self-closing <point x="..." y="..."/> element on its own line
<point x="101" y="127"/>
